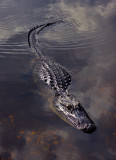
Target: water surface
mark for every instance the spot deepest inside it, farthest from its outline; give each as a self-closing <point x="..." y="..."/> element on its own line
<point x="85" y="44"/>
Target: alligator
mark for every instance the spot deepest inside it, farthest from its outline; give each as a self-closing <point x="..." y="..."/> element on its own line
<point x="58" y="78"/>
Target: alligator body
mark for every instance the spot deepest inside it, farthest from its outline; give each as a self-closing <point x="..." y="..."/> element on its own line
<point x="58" y="78"/>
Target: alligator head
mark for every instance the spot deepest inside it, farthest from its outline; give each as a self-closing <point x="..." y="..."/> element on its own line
<point x="71" y="111"/>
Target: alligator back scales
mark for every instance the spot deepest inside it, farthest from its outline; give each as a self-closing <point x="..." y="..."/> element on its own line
<point x="48" y="71"/>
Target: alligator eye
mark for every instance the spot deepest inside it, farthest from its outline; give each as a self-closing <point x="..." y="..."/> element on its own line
<point x="79" y="105"/>
<point x="69" y="107"/>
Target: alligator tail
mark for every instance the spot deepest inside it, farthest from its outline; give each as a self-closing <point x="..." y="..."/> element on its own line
<point x="32" y="41"/>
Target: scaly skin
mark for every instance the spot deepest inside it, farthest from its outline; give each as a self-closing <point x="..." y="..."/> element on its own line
<point x="57" y="77"/>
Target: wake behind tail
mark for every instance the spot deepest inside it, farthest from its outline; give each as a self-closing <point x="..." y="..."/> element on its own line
<point x="33" y="42"/>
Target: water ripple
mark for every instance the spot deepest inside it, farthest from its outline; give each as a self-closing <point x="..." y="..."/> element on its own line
<point x="69" y="36"/>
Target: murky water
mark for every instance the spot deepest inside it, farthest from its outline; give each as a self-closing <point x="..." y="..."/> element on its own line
<point x="85" y="44"/>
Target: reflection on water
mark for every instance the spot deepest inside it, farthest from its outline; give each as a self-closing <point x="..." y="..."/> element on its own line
<point x="85" y="45"/>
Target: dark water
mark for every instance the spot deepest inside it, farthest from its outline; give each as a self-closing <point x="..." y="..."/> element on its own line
<point x="86" y="45"/>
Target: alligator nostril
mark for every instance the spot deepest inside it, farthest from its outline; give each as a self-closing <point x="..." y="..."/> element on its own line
<point x="90" y="129"/>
